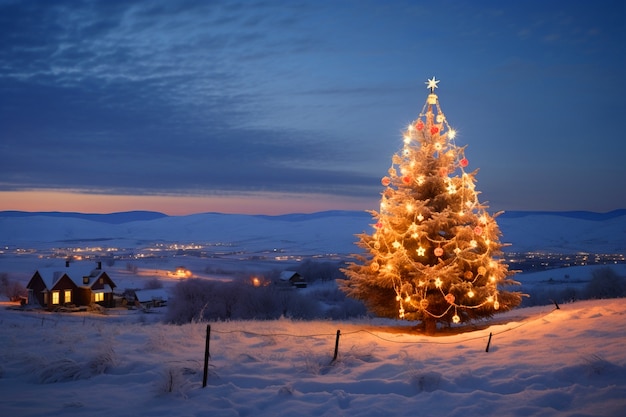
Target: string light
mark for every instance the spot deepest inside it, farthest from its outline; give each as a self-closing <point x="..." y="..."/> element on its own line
<point x="460" y="229"/>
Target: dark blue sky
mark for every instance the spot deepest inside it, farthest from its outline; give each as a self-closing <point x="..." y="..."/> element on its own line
<point x="263" y="103"/>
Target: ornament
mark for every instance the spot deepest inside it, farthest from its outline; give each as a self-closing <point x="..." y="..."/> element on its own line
<point x="396" y="244"/>
<point x="420" y="251"/>
<point x="464" y="162"/>
<point x="456" y="319"/>
<point x="438" y="251"/>
<point x="438" y="282"/>
<point x="450" y="298"/>
<point x="406" y="179"/>
<point x="478" y="230"/>
<point x="496" y="305"/>
<point x="440" y="118"/>
<point x="470" y="294"/>
<point x="434" y="130"/>
<point x="419" y="125"/>
<point x="377" y="245"/>
<point x="374" y="266"/>
<point x="423" y="304"/>
<point x="468" y="275"/>
<point x="379" y="225"/>
<point x="385" y="181"/>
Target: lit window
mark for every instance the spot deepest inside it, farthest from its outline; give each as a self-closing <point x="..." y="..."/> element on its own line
<point x="68" y="296"/>
<point x="55" y="297"/>
<point x="99" y="296"/>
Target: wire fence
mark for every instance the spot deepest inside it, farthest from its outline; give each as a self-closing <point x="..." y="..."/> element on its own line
<point x="378" y="336"/>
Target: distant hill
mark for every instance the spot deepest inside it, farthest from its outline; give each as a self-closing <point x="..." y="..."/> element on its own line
<point x="322" y="232"/>
<point x="583" y="215"/>
<point x="133" y="216"/>
<point x="111" y="218"/>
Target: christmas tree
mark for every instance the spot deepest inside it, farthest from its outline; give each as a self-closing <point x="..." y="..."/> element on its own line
<point x="435" y="253"/>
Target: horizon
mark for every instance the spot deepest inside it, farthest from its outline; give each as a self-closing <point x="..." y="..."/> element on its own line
<point x="274" y="108"/>
<point x="106" y="213"/>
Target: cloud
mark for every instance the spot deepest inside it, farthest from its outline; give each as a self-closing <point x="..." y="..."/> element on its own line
<point x="216" y="97"/>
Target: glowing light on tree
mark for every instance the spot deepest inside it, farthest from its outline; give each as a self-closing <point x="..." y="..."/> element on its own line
<point x="440" y="247"/>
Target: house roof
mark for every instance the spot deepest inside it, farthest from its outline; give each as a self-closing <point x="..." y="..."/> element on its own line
<point x="149" y="295"/>
<point x="287" y="275"/>
<point x="76" y="272"/>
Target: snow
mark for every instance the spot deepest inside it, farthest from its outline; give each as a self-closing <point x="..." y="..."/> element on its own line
<point x="541" y="361"/>
<point x="326" y="232"/>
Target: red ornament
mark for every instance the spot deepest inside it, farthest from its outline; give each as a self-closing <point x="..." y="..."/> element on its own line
<point x="385" y="181"/>
<point x="478" y="230"/>
<point x="434" y="130"/>
<point x="464" y="162"/>
<point x="379" y="225"/>
<point x="419" y="125"/>
<point x="450" y="298"/>
<point x="406" y="179"/>
<point x="438" y="251"/>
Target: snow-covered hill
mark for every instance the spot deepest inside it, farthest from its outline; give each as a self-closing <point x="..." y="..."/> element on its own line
<point x="541" y="362"/>
<point x="325" y="232"/>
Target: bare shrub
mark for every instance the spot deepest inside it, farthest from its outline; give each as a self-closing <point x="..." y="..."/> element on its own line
<point x="13" y="290"/>
<point x="153" y="284"/>
<point x="605" y="283"/>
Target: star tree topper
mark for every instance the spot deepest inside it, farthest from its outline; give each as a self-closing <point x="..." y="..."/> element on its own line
<point x="432" y="84"/>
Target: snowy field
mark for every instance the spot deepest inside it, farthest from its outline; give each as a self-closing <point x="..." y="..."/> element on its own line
<point x="541" y="361"/>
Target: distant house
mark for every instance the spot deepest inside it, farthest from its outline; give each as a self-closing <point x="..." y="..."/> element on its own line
<point x="72" y="286"/>
<point x="147" y="299"/>
<point x="292" y="278"/>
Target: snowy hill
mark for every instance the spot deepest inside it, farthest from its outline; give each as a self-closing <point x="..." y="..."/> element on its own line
<point x="324" y="232"/>
<point x="541" y="362"/>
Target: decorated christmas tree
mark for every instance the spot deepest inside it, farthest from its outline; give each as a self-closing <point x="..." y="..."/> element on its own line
<point x="434" y="255"/>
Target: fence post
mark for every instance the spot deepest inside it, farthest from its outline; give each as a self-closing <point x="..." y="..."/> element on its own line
<point x="206" y="355"/>
<point x="488" y="342"/>
<point x="336" y="346"/>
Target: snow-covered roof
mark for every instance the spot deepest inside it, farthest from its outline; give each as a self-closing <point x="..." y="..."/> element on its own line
<point x="287" y="275"/>
<point x="76" y="271"/>
<point x="149" y="295"/>
<point x="105" y="289"/>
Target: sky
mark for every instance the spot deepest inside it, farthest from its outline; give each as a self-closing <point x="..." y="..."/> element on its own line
<point x="270" y="107"/>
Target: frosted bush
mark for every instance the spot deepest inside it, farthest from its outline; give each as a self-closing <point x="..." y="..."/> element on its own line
<point x="605" y="283"/>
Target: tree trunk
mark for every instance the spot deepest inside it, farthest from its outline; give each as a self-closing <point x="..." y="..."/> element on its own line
<point x="430" y="326"/>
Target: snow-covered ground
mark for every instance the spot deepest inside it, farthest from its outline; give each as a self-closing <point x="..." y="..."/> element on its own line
<point x="541" y="362"/>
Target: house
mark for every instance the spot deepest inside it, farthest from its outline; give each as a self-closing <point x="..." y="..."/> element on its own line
<point x="74" y="285"/>
<point x="97" y="288"/>
<point x="146" y="299"/>
<point x="49" y="289"/>
<point x="293" y="279"/>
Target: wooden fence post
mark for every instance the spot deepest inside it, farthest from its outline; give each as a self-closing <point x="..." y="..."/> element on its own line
<point x="488" y="342"/>
<point x="206" y="355"/>
<point x="336" y="346"/>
